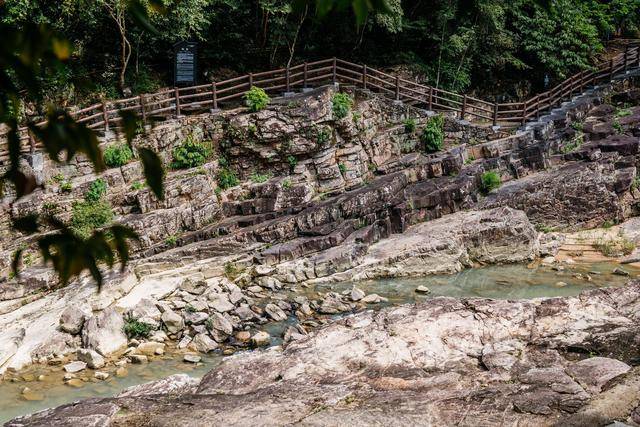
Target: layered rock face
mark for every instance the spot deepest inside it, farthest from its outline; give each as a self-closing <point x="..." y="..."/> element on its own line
<point x="550" y="361"/>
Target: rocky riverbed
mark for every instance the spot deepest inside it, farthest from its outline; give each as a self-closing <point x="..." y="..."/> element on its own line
<point x="349" y="200"/>
<point x="446" y="361"/>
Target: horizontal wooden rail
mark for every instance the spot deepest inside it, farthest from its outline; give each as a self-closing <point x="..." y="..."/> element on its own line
<point x="194" y="99"/>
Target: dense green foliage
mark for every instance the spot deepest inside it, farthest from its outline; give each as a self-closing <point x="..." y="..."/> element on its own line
<point x="341" y="104"/>
<point x="227" y="178"/>
<point x="88" y="216"/>
<point x="135" y="329"/>
<point x="256" y="99"/>
<point x="453" y="44"/>
<point x="117" y="155"/>
<point x="189" y="154"/>
<point x="409" y="125"/>
<point x="433" y="134"/>
<point x="489" y="181"/>
<point x="97" y="189"/>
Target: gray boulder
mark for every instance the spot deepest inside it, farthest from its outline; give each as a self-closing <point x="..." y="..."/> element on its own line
<point x="104" y="332"/>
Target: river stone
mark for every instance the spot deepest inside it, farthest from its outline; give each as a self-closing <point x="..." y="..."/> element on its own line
<point x="594" y="373"/>
<point x="371" y="299"/>
<point x="75" y="383"/>
<point x="193" y="287"/>
<point x="275" y="312"/>
<point x="101" y="375"/>
<point x="150" y="348"/>
<point x="221" y="304"/>
<point x="173" y="321"/>
<point x="92" y="358"/>
<point x="620" y="272"/>
<point x="121" y="372"/>
<point x="184" y="342"/>
<point x="423" y="289"/>
<point x="260" y="339"/>
<point x="74" y="367"/>
<point x="333" y="304"/>
<point x="138" y="358"/>
<point x="221" y="324"/>
<point x="356" y="294"/>
<point x="172" y="385"/>
<point x="203" y="343"/>
<point x="104" y="332"/>
<point x="191" y="358"/>
<point x="196" y="318"/>
<point x="72" y="319"/>
<point x="243" y="336"/>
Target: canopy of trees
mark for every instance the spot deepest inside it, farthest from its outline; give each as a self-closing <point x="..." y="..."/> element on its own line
<point x="485" y="45"/>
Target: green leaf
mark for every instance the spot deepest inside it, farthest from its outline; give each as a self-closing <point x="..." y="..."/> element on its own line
<point x="153" y="171"/>
<point x="129" y="124"/>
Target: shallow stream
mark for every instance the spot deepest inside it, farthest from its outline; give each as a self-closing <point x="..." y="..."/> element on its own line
<point x="504" y="282"/>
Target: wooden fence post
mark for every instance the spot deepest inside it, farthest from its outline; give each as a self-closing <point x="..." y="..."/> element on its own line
<point x="495" y="113"/>
<point x="464" y="107"/>
<point x="143" y="110"/>
<point x="32" y="142"/>
<point x="364" y="76"/>
<point x="214" y="95"/>
<point x="397" y="88"/>
<point x="105" y="116"/>
<point x="304" y="76"/>
<point x="626" y="58"/>
<point x="177" y="96"/>
<point x="250" y="80"/>
<point x="611" y="69"/>
<point x="335" y="66"/>
<point x="431" y="98"/>
<point x="524" y="112"/>
<point x="288" y="78"/>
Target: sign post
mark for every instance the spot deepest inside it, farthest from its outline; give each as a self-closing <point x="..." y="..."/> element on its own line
<point x="184" y="63"/>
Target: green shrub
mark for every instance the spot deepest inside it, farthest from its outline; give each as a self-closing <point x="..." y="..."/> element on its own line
<point x="136" y="329"/>
<point x="117" y="155"/>
<point x="341" y="105"/>
<point x="617" y="126"/>
<point x="171" y="240"/>
<point x="256" y="99"/>
<point x="342" y="168"/>
<point x="259" y="177"/>
<point x="489" y="181"/>
<point x="433" y="134"/>
<point x="322" y="136"/>
<point x="286" y="184"/>
<point x="66" y="186"/>
<point x="138" y="185"/>
<point x="623" y="112"/>
<point x="409" y="125"/>
<point x="227" y="178"/>
<point x="292" y="161"/>
<point x="232" y="270"/>
<point x="97" y="189"/>
<point x="189" y="154"/>
<point x="88" y="215"/>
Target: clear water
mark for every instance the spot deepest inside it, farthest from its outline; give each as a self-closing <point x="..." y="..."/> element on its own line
<point x="504" y="282"/>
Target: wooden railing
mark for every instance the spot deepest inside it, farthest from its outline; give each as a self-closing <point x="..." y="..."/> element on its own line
<point x="180" y="101"/>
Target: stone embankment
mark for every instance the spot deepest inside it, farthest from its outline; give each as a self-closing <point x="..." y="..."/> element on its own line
<point x="349" y="199"/>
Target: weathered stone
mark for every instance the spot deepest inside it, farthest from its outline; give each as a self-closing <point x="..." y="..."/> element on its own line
<point x="221" y="324"/>
<point x="221" y="304"/>
<point x="138" y="358"/>
<point x="356" y="294"/>
<point x="104" y="332"/>
<point x="72" y="319"/>
<point x="75" y="367"/>
<point x="150" y="348"/>
<point x="333" y="304"/>
<point x="172" y="321"/>
<point x="260" y="339"/>
<point x="191" y="358"/>
<point x="203" y="343"/>
<point x="92" y="358"/>
<point x="423" y="290"/>
<point x="594" y="373"/>
<point x="275" y="312"/>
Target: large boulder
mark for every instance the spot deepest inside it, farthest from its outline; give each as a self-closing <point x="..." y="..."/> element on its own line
<point x="173" y="321"/>
<point x="104" y="332"/>
<point x="72" y="319"/>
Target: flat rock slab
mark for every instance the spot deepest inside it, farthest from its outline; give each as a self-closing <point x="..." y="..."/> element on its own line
<point x="594" y="373"/>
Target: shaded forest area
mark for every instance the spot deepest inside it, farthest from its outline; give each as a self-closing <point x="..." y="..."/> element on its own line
<point x="491" y="48"/>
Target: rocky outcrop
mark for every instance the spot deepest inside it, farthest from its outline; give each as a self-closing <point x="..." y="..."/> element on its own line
<point x="104" y="332"/>
<point x="442" y="362"/>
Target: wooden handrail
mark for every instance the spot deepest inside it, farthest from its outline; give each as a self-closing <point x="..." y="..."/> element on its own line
<point x="333" y="70"/>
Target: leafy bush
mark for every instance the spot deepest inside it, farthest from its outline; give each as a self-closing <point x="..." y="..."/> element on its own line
<point x="117" y="155"/>
<point x="136" y="329"/>
<point x="88" y="215"/>
<point x="227" y="178"/>
<point x="97" y="189"/>
<point x="259" y="177"/>
<point x="66" y="186"/>
<point x="189" y="154"/>
<point x="617" y="126"/>
<point x="341" y="105"/>
<point x="410" y="125"/>
<point x="138" y="185"/>
<point x="322" y="136"/>
<point x="614" y="247"/>
<point x="256" y="99"/>
<point x="232" y="270"/>
<point x="286" y="184"/>
<point x="292" y="161"/>
<point x="489" y="181"/>
<point x="433" y="134"/>
<point x="342" y="168"/>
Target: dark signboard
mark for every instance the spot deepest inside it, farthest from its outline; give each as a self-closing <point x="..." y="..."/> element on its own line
<point x="185" y="63"/>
